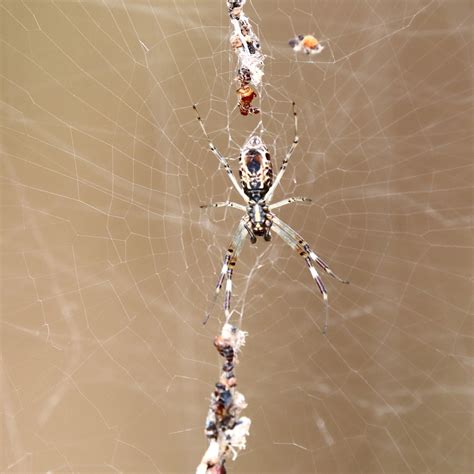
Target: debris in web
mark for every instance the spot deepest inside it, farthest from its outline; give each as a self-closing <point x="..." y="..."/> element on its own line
<point x="246" y="45"/>
<point x="307" y="44"/>
<point x="246" y="95"/>
<point x="226" y="430"/>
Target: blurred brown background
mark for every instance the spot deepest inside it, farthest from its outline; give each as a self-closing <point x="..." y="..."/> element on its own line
<point x="109" y="264"/>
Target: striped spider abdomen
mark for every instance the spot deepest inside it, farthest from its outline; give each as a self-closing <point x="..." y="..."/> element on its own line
<point x="256" y="178"/>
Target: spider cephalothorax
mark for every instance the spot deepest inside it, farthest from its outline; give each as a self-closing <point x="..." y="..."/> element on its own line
<point x="260" y="220"/>
<point x="256" y="188"/>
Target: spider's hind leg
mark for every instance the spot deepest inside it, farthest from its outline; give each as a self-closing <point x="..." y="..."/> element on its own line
<point x="227" y="269"/>
<point x="297" y="243"/>
<point x="290" y="235"/>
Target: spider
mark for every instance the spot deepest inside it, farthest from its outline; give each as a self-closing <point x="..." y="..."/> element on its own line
<point x="257" y="186"/>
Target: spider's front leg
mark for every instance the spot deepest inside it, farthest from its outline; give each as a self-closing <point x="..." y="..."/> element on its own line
<point x="221" y="159"/>
<point x="285" y="161"/>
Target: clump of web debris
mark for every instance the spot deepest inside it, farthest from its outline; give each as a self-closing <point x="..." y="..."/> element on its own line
<point x="226" y="430"/>
<point x="246" y="45"/>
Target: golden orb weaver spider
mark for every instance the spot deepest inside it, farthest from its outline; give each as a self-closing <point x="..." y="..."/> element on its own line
<point x="256" y="188"/>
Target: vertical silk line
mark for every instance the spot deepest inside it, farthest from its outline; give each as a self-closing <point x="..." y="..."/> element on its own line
<point x="250" y="59"/>
<point x="225" y="429"/>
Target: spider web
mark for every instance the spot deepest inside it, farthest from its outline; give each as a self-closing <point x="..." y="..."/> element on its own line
<point x="109" y="264"/>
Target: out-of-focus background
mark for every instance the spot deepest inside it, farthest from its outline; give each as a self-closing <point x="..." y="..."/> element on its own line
<point x="109" y="264"/>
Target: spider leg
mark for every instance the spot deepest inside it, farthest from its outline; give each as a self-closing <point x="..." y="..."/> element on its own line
<point x="314" y="273"/>
<point x="303" y="246"/>
<point x="253" y="238"/>
<point x="284" y="163"/>
<point x="294" y="245"/>
<point x="230" y="260"/>
<point x="224" y="204"/>
<point x="222" y="160"/>
<point x="288" y="201"/>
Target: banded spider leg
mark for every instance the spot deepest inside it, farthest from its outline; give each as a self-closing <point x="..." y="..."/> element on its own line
<point x="221" y="159"/>
<point x="235" y="205"/>
<point x="297" y="243"/>
<point x="284" y="163"/>
<point x="304" y="246"/>
<point x="230" y="259"/>
<point x="286" y="201"/>
<point x="224" y="204"/>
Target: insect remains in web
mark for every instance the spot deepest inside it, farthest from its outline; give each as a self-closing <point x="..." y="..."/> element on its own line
<point x="246" y="95"/>
<point x="257" y="186"/>
<point x="308" y="44"/>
